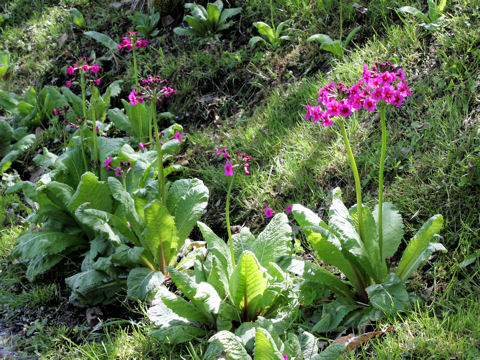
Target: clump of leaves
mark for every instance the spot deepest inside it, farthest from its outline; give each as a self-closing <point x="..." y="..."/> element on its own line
<point x="207" y="23"/>
<point x="433" y="19"/>
<point x="220" y="293"/>
<point x="273" y="36"/>
<point x="336" y="47"/>
<point x="146" y="24"/>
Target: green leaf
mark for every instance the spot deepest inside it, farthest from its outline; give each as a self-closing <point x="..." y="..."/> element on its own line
<point x="103" y="39"/>
<point x="213" y="15"/>
<point x="312" y="272"/>
<point x="329" y="249"/>
<point x="127" y="256"/>
<point x="139" y="119"/>
<point x="168" y="306"/>
<point x="77" y="17"/>
<point x="304" y="216"/>
<point x="265" y="348"/>
<point x="228" y="13"/>
<point x="42" y="243"/>
<point x="333" y="314"/>
<point x="273" y="241"/>
<point x="183" y="31"/>
<point x="232" y="345"/>
<point x="92" y="191"/>
<point x="186" y="200"/>
<point x="321" y="38"/>
<point x="308" y="344"/>
<point x="41" y="264"/>
<point x="218" y="278"/>
<point x="6" y="136"/>
<point x="16" y="150"/>
<point x="333" y="352"/>
<point x="217" y="247"/>
<point x="350" y="36"/>
<point x="415" y="12"/>
<point x="392" y="228"/>
<point x="45" y="159"/>
<point x="248" y="285"/>
<point x="254" y="40"/>
<point x="265" y="30"/>
<point x="120" y="120"/>
<point x="93" y="287"/>
<point x="4" y="62"/>
<point x="141" y="282"/>
<point x="335" y="47"/>
<point x="109" y="146"/>
<point x="99" y="221"/>
<point x="160" y="235"/>
<point x="70" y="166"/>
<point x="390" y="296"/>
<point x="419" y="242"/>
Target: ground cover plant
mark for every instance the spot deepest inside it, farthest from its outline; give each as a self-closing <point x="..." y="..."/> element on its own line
<point x="118" y="241"/>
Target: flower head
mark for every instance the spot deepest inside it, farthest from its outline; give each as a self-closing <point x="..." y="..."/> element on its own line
<point x="68" y="84"/>
<point x="268" y="213"/>
<point x="70" y="70"/>
<point x="288" y="209"/>
<point x="178" y="136"/>
<point x="228" y="169"/>
<point x="142" y="145"/>
<point x="107" y="161"/>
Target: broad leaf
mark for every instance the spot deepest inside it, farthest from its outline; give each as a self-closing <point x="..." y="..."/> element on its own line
<point x="142" y="281"/>
<point x="419" y="242"/>
<point x="392" y="228"/>
<point x="77" y="17"/>
<point x="265" y="30"/>
<point x="333" y="352"/>
<point x="248" y="285"/>
<point x="304" y="216"/>
<point x="42" y="243"/>
<point x="232" y="345"/>
<point x="4" y="62"/>
<point x="217" y="247"/>
<point x="160" y="235"/>
<point x="93" y="287"/>
<point x="265" y="348"/>
<point x="103" y="39"/>
<point x="415" y="12"/>
<point x="390" y="297"/>
<point x="90" y="190"/>
<point x="333" y="314"/>
<point x="187" y="199"/>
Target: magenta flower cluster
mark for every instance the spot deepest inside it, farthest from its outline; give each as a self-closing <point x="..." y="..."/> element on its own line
<point x="84" y="64"/>
<point x="153" y="87"/>
<point x="382" y="82"/>
<point x="241" y="160"/>
<point x="119" y="170"/>
<point x="131" y="39"/>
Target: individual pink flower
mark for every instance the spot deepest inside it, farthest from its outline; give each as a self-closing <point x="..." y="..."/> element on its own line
<point x="142" y="145"/>
<point x="97" y="81"/>
<point x="285" y="357"/>
<point x="397" y="99"/>
<point x="132" y="97"/>
<point x="289" y="210"/>
<point x="369" y="104"/>
<point x="333" y="108"/>
<point x="403" y="88"/>
<point x="228" y="169"/>
<point x="326" y="120"/>
<point x="377" y="94"/>
<point x="245" y="168"/>
<point x="222" y="150"/>
<point x="388" y="92"/>
<point x="400" y="74"/>
<point x="68" y="84"/>
<point x="268" y="213"/>
<point x="95" y="68"/>
<point x="107" y="162"/>
<point x="70" y="70"/>
<point x="118" y="171"/>
<point x="345" y="110"/>
<point x="56" y="112"/>
<point x="85" y="67"/>
<point x="178" y="136"/>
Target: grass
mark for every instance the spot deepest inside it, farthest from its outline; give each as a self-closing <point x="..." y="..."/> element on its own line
<point x="253" y="100"/>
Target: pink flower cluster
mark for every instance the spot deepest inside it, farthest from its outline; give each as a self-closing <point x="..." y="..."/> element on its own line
<point x="149" y="90"/>
<point x="383" y="82"/>
<point x="268" y="211"/>
<point x="119" y="170"/>
<point x="130" y="39"/>
<point x="84" y="64"/>
<point x="242" y="160"/>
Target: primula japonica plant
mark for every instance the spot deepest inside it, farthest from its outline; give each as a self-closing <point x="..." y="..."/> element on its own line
<point x="234" y="283"/>
<point x="132" y="42"/>
<point x="207" y="23"/>
<point x="361" y="243"/>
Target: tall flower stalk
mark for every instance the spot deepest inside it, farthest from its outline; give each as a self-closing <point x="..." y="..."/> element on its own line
<point x="241" y="160"/>
<point x="130" y="42"/>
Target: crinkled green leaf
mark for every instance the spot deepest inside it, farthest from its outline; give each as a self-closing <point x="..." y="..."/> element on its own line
<point x="390" y="296"/>
<point x="265" y="348"/>
<point x="90" y="190"/>
<point x="41" y="243"/>
<point x="392" y="228"/>
<point x="419" y="242"/>
<point x="103" y="39"/>
<point x="232" y="345"/>
<point x="142" y="282"/>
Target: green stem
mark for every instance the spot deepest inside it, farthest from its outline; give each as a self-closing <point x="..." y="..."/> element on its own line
<point x="94" y="132"/>
<point x="341" y="20"/>
<point x="353" y="165"/>
<point x="380" y="180"/>
<point x="134" y="53"/>
<point x="84" y="108"/>
<point x="161" y="178"/>
<point x="227" y="217"/>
